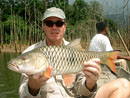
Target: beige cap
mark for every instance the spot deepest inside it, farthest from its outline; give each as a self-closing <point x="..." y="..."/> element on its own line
<point x="54" y="12"/>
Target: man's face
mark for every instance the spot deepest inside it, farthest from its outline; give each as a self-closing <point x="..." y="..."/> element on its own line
<point x="54" y="31"/>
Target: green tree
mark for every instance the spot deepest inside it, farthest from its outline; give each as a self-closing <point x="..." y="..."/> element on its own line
<point x="96" y="10"/>
<point x="80" y="10"/>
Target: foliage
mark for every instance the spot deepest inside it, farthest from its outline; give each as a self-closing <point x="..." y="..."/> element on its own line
<point x="22" y="19"/>
<point x="111" y="24"/>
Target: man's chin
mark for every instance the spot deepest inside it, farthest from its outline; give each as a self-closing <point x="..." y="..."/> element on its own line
<point x="55" y="38"/>
<point x="55" y="35"/>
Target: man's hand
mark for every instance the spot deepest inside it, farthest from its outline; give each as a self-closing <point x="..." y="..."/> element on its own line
<point x="35" y="82"/>
<point x="92" y="71"/>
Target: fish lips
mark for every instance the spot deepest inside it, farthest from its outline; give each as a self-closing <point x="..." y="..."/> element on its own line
<point x="13" y="67"/>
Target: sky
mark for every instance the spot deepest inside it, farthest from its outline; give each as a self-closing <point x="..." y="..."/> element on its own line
<point x="111" y="6"/>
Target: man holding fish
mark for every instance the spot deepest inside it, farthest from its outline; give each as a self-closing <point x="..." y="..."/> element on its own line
<point x="68" y="71"/>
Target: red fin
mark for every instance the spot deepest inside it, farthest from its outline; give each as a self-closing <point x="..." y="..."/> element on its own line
<point x="68" y="79"/>
<point x="111" y="59"/>
<point x="47" y="73"/>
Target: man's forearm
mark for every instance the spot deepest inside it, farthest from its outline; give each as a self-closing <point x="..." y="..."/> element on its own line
<point x="124" y="57"/>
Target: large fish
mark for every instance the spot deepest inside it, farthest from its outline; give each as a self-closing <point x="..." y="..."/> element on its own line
<point x="57" y="60"/>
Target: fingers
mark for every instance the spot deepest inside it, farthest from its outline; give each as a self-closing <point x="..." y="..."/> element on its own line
<point x="90" y="76"/>
<point x="91" y="71"/>
<point x="38" y="77"/>
<point x="36" y="81"/>
<point x="92" y="66"/>
<point x="43" y="79"/>
<point x="92" y="61"/>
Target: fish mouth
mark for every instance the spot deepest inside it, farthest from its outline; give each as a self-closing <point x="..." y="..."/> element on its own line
<point x="13" y="67"/>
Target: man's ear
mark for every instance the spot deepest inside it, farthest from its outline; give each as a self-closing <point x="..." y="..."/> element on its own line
<point x="106" y="29"/>
<point x="64" y="27"/>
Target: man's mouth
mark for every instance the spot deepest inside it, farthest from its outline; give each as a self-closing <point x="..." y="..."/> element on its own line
<point x="55" y="33"/>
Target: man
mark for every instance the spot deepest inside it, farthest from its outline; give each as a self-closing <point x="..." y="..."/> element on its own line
<point x="100" y="42"/>
<point x="37" y="86"/>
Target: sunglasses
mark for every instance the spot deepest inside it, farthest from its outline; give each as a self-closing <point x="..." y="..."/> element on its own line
<point x="50" y="23"/>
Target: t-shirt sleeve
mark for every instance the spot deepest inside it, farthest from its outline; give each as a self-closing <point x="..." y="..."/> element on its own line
<point x="108" y="45"/>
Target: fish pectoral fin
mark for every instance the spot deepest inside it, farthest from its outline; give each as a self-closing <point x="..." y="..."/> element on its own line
<point x="47" y="73"/>
<point x="68" y="79"/>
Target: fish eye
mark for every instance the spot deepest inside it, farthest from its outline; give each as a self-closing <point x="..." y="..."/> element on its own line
<point x="23" y="58"/>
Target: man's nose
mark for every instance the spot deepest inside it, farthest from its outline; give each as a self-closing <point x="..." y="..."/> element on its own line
<point x="54" y="26"/>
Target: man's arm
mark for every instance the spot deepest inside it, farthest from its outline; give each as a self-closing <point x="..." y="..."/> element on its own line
<point x="30" y="85"/>
<point x="124" y="57"/>
<point x="35" y="82"/>
<point x="92" y="71"/>
<point x="86" y="81"/>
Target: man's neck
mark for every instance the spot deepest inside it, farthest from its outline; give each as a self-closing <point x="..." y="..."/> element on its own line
<point x="54" y="43"/>
<point x="104" y="33"/>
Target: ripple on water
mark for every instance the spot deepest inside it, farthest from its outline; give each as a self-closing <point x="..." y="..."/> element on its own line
<point x="9" y="80"/>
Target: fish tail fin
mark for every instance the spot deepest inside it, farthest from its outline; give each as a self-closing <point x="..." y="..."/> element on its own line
<point x="110" y="61"/>
<point x="47" y="73"/>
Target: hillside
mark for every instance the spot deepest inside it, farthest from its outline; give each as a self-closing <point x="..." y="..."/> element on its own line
<point x="118" y="18"/>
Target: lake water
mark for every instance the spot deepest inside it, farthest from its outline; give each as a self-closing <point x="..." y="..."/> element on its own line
<point x="9" y="80"/>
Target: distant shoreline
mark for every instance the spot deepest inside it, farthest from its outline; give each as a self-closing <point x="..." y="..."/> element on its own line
<point x="20" y="49"/>
<point x="8" y="48"/>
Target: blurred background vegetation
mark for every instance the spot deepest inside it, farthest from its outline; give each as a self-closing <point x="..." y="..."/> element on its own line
<point x="20" y="22"/>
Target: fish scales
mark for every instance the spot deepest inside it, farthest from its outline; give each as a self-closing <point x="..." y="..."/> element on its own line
<point x="63" y="60"/>
<point x="68" y="60"/>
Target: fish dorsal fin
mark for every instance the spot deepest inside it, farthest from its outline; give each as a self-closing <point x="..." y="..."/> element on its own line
<point x="75" y="44"/>
<point x="68" y="79"/>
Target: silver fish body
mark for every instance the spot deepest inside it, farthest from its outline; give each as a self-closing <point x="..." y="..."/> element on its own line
<point x="62" y="60"/>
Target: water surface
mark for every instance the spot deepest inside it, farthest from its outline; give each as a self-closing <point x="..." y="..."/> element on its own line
<point x="9" y="80"/>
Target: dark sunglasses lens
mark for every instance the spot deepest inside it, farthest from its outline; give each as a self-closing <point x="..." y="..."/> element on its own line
<point x="49" y="23"/>
<point x="59" y="23"/>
